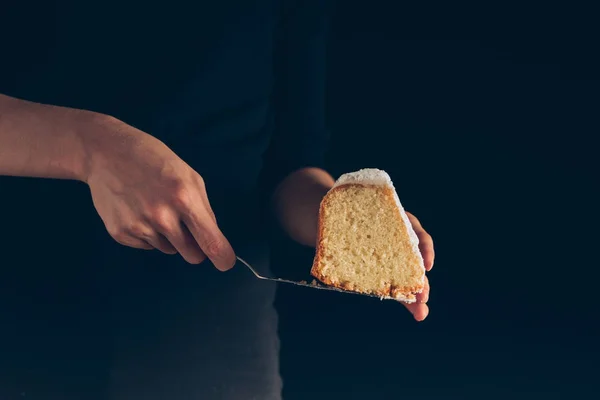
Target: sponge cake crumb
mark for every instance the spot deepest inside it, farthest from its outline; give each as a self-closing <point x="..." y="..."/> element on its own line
<point x="366" y="243"/>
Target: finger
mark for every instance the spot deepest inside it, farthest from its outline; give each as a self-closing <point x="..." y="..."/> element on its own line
<point x="419" y="311"/>
<point x="190" y="243"/>
<point x="207" y="204"/>
<point x="184" y="243"/>
<point x="201" y="223"/>
<point x="210" y="239"/>
<point x="425" y="242"/>
<point x="201" y="186"/>
<point x="167" y="225"/>
<point x="159" y="242"/>
<point x="130" y="241"/>
<point x="427" y="250"/>
<point x="423" y="297"/>
<point x="145" y="232"/>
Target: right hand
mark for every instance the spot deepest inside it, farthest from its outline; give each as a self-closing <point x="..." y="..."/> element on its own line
<point x="149" y="198"/>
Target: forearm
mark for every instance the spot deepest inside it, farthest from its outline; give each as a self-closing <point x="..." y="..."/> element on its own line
<point x="38" y="140"/>
<point x="297" y="201"/>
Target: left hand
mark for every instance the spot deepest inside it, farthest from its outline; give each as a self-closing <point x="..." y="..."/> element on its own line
<point x="419" y="309"/>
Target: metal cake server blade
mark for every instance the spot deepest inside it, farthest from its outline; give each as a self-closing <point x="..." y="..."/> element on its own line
<point x="313" y="285"/>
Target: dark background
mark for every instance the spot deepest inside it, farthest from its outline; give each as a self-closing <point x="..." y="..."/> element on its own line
<point x="486" y="119"/>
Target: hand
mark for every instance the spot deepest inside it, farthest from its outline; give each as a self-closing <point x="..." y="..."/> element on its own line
<point x="419" y="309"/>
<point x="148" y="198"/>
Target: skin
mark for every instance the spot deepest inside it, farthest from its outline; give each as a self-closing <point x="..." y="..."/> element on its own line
<point x="145" y="194"/>
<point x="147" y="197"/>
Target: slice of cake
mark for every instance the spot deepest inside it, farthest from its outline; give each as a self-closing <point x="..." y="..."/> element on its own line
<point x="366" y="243"/>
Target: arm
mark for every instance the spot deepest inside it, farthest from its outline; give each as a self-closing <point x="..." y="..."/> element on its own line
<point x="144" y="193"/>
<point x="297" y="201"/>
<point x="298" y="180"/>
<point x="43" y="141"/>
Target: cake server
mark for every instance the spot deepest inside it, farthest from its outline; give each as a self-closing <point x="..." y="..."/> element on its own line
<point x="314" y="284"/>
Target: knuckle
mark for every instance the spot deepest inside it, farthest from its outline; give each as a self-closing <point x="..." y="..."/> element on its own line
<point x="121" y="239"/>
<point x="200" y="181"/>
<point x="137" y="230"/>
<point x="429" y="238"/>
<point x="182" y="198"/>
<point x="119" y="234"/>
<point x="426" y="237"/>
<point x="423" y="235"/>
<point x="161" y="219"/>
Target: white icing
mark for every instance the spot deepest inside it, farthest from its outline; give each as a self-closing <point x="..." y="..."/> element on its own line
<point x="373" y="176"/>
<point x="367" y="176"/>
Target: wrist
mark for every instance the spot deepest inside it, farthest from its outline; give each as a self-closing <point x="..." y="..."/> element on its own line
<point x="86" y="127"/>
<point x="102" y="137"/>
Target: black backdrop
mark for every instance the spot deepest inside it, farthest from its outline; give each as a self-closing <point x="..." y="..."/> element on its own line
<point x="486" y="120"/>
